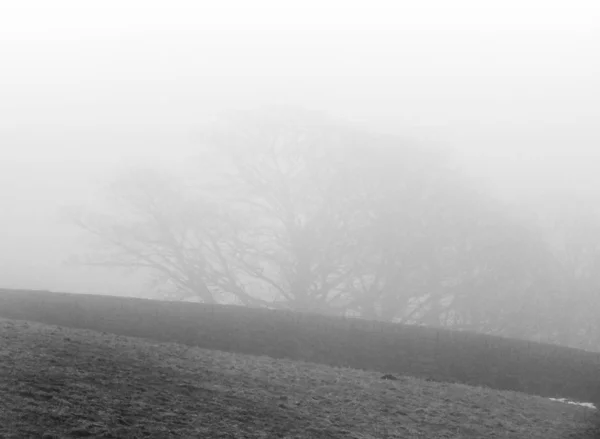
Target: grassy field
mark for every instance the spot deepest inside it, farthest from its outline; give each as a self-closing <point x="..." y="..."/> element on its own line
<point x="67" y="383"/>
<point x="443" y="355"/>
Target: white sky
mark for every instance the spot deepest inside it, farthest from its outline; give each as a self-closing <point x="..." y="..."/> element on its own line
<point x="515" y="85"/>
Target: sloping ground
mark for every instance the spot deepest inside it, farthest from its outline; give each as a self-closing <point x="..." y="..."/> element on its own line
<point x="443" y="355"/>
<point x="65" y="383"/>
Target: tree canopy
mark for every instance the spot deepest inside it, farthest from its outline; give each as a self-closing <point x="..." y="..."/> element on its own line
<point x="293" y="210"/>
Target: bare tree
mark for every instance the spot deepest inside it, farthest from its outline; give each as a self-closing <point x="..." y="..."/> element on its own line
<point x="342" y="220"/>
<point x="571" y="221"/>
<point x="290" y="209"/>
<point x="157" y="225"/>
<point x="443" y="252"/>
<point x="287" y="179"/>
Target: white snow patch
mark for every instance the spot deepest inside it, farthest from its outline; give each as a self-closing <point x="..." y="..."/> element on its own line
<point x="582" y="404"/>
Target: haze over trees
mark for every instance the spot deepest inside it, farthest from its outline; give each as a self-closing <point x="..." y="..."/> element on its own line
<point x="290" y="209"/>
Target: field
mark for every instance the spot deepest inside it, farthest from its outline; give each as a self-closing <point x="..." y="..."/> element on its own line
<point x="60" y="383"/>
<point x="435" y="353"/>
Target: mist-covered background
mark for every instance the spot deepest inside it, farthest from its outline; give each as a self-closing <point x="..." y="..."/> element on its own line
<point x="510" y="89"/>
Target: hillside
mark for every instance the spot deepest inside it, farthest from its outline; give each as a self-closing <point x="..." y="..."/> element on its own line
<point x="65" y="383"/>
<point x="442" y="355"/>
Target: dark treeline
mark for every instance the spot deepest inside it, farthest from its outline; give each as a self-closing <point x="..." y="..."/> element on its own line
<point x="287" y="209"/>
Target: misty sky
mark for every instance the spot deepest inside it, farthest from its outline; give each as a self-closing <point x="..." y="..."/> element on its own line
<point x="86" y="86"/>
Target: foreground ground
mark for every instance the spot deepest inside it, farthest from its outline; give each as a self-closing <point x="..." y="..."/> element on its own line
<point x="64" y="383"/>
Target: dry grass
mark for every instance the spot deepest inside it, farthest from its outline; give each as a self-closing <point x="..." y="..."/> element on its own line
<point x="65" y="383"/>
<point x="426" y="352"/>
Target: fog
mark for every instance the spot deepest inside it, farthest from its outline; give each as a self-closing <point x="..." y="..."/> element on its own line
<point x="513" y="86"/>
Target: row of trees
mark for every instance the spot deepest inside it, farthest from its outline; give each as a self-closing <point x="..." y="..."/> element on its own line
<point x="288" y="209"/>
